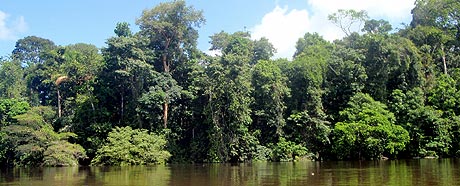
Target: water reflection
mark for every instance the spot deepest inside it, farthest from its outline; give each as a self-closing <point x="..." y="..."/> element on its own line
<point x="402" y="172"/>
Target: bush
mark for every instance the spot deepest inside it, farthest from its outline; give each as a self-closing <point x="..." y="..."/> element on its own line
<point x="287" y="151"/>
<point x="63" y="153"/>
<point x="126" y="146"/>
<point x="32" y="141"/>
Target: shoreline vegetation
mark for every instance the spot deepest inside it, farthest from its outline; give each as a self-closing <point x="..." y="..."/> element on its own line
<point x="151" y="97"/>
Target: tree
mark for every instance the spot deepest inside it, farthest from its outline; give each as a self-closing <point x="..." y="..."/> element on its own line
<point x="377" y="26"/>
<point x="270" y="91"/>
<point x="150" y="103"/>
<point x="12" y="81"/>
<point x="391" y="62"/>
<point x="306" y="75"/>
<point x="432" y="41"/>
<point x="122" y="30"/>
<point x="346" y="20"/>
<point x="313" y="132"/>
<point x="229" y="98"/>
<point x="170" y="28"/>
<point x="263" y="50"/>
<point x="310" y="43"/>
<point x="307" y="122"/>
<point x="127" y="146"/>
<point x="29" y="50"/>
<point x="445" y="95"/>
<point x="9" y="108"/>
<point x="32" y="141"/>
<point x="367" y="131"/>
<point x="126" y="76"/>
<point x="442" y="14"/>
<point x="345" y="76"/>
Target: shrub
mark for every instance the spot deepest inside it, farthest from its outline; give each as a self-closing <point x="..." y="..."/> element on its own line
<point x="287" y="151"/>
<point x="126" y="146"/>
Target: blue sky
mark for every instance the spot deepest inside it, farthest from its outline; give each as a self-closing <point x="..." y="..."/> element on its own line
<point x="93" y="21"/>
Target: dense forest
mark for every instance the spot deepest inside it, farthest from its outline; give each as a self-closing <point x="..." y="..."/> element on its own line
<point x="152" y="97"/>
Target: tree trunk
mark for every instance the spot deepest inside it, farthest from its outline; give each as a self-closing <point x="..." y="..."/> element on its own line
<point x="59" y="103"/>
<point x="165" y="115"/>
<point x="444" y="63"/>
<point x="122" y="108"/>
<point x="165" y="64"/>
<point x="444" y="60"/>
<point x="166" y="70"/>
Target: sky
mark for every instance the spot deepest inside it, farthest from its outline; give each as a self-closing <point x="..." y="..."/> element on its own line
<point x="283" y="22"/>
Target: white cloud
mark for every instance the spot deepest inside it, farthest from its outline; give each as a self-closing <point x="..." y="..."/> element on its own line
<point x="385" y="8"/>
<point x="213" y="53"/>
<point x="283" y="27"/>
<point x="10" y="29"/>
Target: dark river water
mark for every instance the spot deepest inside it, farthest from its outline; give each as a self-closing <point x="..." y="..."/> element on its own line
<point x="442" y="172"/>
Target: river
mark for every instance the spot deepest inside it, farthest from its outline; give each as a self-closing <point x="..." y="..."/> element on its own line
<point x="432" y="172"/>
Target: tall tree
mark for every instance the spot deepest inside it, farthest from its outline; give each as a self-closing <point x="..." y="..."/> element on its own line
<point x="443" y="15"/>
<point x="171" y="30"/>
<point x="345" y="76"/>
<point x="263" y="50"/>
<point x="31" y="53"/>
<point x="432" y="41"/>
<point x="229" y="99"/>
<point x="308" y="123"/>
<point x="348" y="21"/>
<point x="12" y="81"/>
<point x="126" y="76"/>
<point x="270" y="91"/>
<point x="377" y="26"/>
<point x="390" y="65"/>
<point x="30" y="49"/>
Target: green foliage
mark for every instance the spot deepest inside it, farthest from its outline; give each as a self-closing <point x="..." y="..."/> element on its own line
<point x="12" y="81"/>
<point x="228" y="109"/>
<point x="263" y="50"/>
<point x="164" y="90"/>
<point x="270" y="91"/>
<point x="306" y="75"/>
<point x="238" y="106"/>
<point x="123" y="30"/>
<point x="4" y="149"/>
<point x="32" y="141"/>
<point x="287" y="151"/>
<point x="127" y="146"/>
<point x="311" y="44"/>
<point x="29" y="50"/>
<point x="367" y="131"/>
<point x="9" y="108"/>
<point x="445" y="95"/>
<point x="345" y="76"/>
<point x="125" y="77"/>
<point x="377" y="26"/>
<point x="442" y="14"/>
<point x="170" y="28"/>
<point x="63" y="153"/>
<point x="430" y="130"/>
<point x="311" y="131"/>
<point x="391" y="63"/>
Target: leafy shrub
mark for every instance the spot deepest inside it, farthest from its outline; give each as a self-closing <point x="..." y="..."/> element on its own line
<point x="63" y="153"/>
<point x="126" y="146"/>
<point x="262" y="153"/>
<point x="287" y="151"/>
<point x="32" y="141"/>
